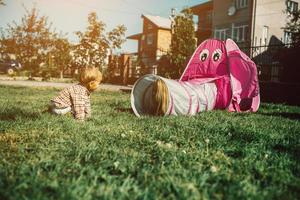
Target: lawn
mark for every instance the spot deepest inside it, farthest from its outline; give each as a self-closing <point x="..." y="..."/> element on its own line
<point x="115" y="155"/>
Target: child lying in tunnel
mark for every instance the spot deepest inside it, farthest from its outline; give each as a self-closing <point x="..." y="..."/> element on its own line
<point x="162" y="97"/>
<point x="159" y="102"/>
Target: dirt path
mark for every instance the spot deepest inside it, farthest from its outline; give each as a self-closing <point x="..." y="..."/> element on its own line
<point x="27" y="83"/>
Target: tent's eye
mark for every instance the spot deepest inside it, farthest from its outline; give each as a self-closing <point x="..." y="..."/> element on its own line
<point x="204" y="55"/>
<point x="217" y="55"/>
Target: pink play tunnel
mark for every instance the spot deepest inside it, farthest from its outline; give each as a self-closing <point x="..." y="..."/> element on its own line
<point x="218" y="76"/>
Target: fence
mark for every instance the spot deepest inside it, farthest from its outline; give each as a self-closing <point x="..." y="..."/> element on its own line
<point x="129" y="70"/>
<point x="273" y="74"/>
<point x="266" y="57"/>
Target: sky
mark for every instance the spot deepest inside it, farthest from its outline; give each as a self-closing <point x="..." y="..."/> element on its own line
<point x="69" y="16"/>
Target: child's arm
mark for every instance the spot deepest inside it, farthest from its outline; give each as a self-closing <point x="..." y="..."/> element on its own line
<point x="79" y="113"/>
<point x="79" y="107"/>
<point x="88" y="109"/>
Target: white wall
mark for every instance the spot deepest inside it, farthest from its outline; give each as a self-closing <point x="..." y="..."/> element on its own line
<point x="271" y="14"/>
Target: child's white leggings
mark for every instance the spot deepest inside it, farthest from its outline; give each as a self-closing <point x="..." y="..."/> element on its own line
<point x="59" y="111"/>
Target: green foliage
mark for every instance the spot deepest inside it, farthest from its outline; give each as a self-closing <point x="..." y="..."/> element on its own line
<point x="61" y="54"/>
<point x="109" y="73"/>
<point x="95" y="43"/>
<point x="47" y="73"/>
<point x="183" y="42"/>
<point x="165" y="67"/>
<point x="115" y="155"/>
<point x="29" y="40"/>
<point x="116" y="37"/>
<point x="293" y="25"/>
<point x="34" y="44"/>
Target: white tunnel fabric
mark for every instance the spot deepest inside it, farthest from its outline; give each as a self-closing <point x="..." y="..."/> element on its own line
<point x="138" y="93"/>
<point x="185" y="98"/>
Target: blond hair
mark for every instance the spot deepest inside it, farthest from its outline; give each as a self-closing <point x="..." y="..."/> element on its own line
<point x="90" y="77"/>
<point x="160" y="98"/>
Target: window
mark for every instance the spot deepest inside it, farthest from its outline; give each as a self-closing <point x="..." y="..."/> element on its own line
<point x="150" y="26"/>
<point x="241" y="4"/>
<point x="274" y="72"/>
<point x="221" y="34"/>
<point x="195" y="19"/>
<point x="287" y="37"/>
<point x="240" y="33"/>
<point x="265" y="34"/>
<point x="150" y="38"/>
<point x="292" y="6"/>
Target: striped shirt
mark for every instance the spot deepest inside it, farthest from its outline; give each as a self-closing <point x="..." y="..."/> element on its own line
<point x="78" y="98"/>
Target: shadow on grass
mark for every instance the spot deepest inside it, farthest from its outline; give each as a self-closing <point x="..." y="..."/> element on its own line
<point x="12" y="114"/>
<point x="235" y="153"/>
<point x="128" y="91"/>
<point x="291" y="150"/>
<point x="292" y="116"/>
<point x="124" y="110"/>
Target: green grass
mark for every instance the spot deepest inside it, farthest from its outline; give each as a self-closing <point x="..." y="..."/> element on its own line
<point x="115" y="155"/>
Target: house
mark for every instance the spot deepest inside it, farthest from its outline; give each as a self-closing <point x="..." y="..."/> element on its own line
<point x="153" y="42"/>
<point x="248" y="22"/>
<point x="269" y="19"/>
<point x="204" y="22"/>
<point x="255" y="25"/>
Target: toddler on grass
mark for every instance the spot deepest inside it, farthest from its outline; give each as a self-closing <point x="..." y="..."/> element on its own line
<point x="76" y="98"/>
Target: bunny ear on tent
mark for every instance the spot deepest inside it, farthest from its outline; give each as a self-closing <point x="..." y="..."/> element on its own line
<point x="244" y="81"/>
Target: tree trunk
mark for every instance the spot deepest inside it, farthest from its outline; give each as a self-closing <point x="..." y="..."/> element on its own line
<point x="61" y="74"/>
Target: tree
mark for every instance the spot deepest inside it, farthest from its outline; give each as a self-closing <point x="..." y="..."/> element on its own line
<point x="183" y="42"/>
<point x="29" y="41"/>
<point x="61" y="54"/>
<point x="116" y="37"/>
<point x="165" y="67"/>
<point x="94" y="43"/>
<point x="2" y="2"/>
<point x="293" y="24"/>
